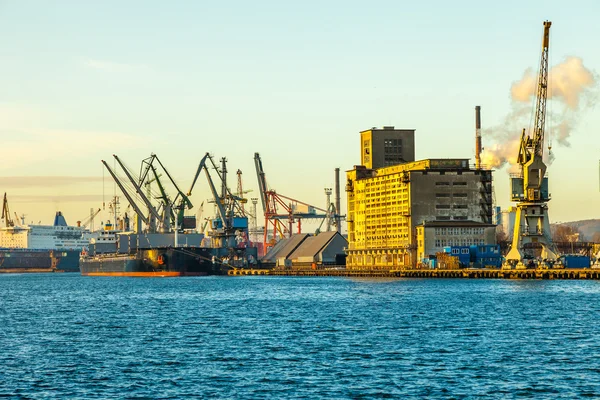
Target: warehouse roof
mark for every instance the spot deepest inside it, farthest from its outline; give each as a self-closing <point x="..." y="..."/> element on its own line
<point x="313" y="245"/>
<point x="284" y="247"/>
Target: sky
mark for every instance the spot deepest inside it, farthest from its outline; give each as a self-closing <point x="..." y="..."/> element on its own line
<point x="294" y="81"/>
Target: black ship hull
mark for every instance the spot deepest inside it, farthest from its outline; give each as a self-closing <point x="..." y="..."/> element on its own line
<point x="33" y="260"/>
<point x="156" y="262"/>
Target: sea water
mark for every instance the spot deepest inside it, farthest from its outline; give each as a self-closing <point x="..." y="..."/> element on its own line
<point x="68" y="336"/>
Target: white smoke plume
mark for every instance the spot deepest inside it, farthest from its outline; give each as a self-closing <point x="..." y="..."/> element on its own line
<point x="572" y="89"/>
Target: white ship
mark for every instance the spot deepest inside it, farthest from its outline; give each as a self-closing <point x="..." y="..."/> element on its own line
<point x="58" y="236"/>
<point x="40" y="248"/>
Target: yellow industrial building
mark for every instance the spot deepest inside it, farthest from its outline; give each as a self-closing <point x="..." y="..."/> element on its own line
<point x="400" y="214"/>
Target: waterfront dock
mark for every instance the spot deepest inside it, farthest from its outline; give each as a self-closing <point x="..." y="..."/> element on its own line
<point x="483" y="273"/>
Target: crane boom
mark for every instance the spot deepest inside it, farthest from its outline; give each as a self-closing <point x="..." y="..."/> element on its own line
<point x="200" y="166"/>
<point x="542" y="94"/>
<point x="89" y="218"/>
<point x="126" y="193"/>
<point x="185" y="199"/>
<point x="213" y="189"/>
<point x="262" y="182"/>
<point x="139" y="191"/>
<point x="163" y="194"/>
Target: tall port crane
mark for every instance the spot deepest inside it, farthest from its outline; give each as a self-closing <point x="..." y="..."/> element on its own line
<point x="530" y="187"/>
<point x="230" y="217"/>
<point x="271" y="201"/>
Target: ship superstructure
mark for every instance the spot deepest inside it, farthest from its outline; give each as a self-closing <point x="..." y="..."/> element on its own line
<point x="45" y="237"/>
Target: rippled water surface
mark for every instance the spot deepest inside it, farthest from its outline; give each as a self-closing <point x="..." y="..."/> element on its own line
<point x="67" y="336"/>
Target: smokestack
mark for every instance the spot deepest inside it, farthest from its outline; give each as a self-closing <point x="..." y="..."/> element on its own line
<point x="337" y="201"/>
<point x="478" y="137"/>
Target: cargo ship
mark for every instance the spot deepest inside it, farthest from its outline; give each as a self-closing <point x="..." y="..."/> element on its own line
<point x="162" y="240"/>
<point x="40" y="248"/>
<point x="154" y="262"/>
<point x="125" y="253"/>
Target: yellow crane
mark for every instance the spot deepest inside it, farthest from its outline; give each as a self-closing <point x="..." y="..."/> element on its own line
<point x="530" y="187"/>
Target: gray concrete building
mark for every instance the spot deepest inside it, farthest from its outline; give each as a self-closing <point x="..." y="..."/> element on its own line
<point x="387" y="146"/>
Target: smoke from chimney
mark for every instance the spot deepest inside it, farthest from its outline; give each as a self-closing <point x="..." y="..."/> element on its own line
<point x="572" y="89"/>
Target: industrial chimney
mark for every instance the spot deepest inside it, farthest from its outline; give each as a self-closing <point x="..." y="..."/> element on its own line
<point x="337" y="201"/>
<point x="478" y="137"/>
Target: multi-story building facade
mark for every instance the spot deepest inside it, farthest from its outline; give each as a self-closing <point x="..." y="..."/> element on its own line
<point x="387" y="205"/>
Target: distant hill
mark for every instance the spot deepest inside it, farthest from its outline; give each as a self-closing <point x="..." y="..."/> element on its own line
<point x="587" y="227"/>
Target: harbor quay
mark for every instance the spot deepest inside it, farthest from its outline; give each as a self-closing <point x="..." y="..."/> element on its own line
<point x="467" y="273"/>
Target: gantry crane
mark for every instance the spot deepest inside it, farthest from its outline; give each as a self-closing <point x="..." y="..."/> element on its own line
<point x="530" y="187"/>
<point x="271" y="200"/>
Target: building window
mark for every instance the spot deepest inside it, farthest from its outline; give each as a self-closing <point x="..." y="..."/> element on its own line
<point x="442" y="184"/>
<point x="442" y="206"/>
<point x="441" y="195"/>
<point x="392" y="150"/>
<point x="459" y="183"/>
<point x="460" y="195"/>
<point x="442" y="217"/>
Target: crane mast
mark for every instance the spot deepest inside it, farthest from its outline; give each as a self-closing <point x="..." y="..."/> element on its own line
<point x="530" y="188"/>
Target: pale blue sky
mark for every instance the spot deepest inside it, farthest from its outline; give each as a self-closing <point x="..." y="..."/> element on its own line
<point x="294" y="81"/>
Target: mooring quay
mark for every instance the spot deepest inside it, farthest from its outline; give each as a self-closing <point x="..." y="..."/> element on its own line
<point x="580" y="273"/>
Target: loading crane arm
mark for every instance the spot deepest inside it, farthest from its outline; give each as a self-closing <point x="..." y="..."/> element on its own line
<point x="301" y="202"/>
<point x="184" y="199"/>
<point x="200" y="167"/>
<point x="87" y="220"/>
<point x="213" y="189"/>
<point x="126" y="194"/>
<point x="262" y="182"/>
<point x="139" y="191"/>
